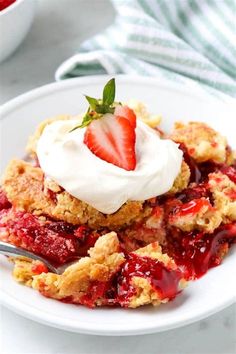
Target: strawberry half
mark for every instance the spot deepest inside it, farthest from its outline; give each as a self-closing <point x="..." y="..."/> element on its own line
<point x="112" y="139"/>
<point x="126" y="112"/>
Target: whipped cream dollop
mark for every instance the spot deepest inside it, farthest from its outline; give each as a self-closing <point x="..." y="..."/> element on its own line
<point x="67" y="160"/>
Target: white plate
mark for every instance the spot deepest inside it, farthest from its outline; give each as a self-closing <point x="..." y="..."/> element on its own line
<point x="202" y="298"/>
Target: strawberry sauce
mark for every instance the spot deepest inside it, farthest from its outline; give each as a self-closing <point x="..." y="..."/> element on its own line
<point x="4" y="202"/>
<point x="39" y="268"/>
<point x="229" y="171"/>
<point x="192" y="207"/>
<point x="5" y="3"/>
<point x="96" y="291"/>
<point x="188" y="194"/>
<point x="58" y="241"/>
<point x="195" y="253"/>
<point x="163" y="280"/>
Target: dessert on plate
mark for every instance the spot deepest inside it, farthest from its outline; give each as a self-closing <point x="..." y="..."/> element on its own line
<point x="140" y="212"/>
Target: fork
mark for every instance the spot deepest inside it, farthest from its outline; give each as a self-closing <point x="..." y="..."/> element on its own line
<point x="9" y="250"/>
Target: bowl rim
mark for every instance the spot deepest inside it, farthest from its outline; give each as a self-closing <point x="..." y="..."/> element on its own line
<point x="11" y="7"/>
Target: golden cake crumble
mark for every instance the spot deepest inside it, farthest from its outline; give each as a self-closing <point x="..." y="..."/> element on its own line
<point x="143" y="291"/>
<point x="182" y="180"/>
<point x="224" y="195"/>
<point x="202" y="142"/>
<point x="20" y="175"/>
<point x="104" y="261"/>
<point x="196" y="215"/>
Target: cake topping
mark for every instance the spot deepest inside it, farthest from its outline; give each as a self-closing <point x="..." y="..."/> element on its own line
<point x="108" y="157"/>
<point x="111" y="137"/>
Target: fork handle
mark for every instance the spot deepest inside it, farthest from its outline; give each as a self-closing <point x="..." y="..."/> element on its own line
<point x="10" y="250"/>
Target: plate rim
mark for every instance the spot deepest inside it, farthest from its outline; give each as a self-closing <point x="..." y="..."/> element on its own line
<point x="43" y="90"/>
<point x="26" y="310"/>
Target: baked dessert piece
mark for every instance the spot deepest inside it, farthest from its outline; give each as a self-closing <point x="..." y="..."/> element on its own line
<point x="145" y="251"/>
<point x="151" y="229"/>
<point x="198" y="214"/>
<point x="24" y="269"/>
<point x="45" y="198"/>
<point x="60" y="242"/>
<point x="27" y="189"/>
<point x="89" y="280"/>
<point x="149" y="277"/>
<point x="182" y="180"/>
<point x="202" y="142"/>
<point x="106" y="277"/>
<point x="222" y="185"/>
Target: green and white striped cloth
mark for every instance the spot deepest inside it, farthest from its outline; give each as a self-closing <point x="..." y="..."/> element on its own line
<point x="192" y="42"/>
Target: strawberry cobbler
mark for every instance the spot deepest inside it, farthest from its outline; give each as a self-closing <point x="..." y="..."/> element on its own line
<point x="139" y="211"/>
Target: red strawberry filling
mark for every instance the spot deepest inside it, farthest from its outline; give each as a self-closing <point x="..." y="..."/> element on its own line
<point x="163" y="280"/>
<point x="4" y="202"/>
<point x="195" y="252"/>
<point x="5" y="3"/>
<point x="58" y="241"/>
<point x="229" y="171"/>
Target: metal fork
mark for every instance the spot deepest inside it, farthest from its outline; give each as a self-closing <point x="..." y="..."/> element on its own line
<point x="10" y="250"/>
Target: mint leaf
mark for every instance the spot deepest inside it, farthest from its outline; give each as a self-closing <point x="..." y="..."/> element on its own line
<point x="109" y="92"/>
<point x="86" y="121"/>
<point x="93" y="102"/>
<point x="97" y="107"/>
<point x="103" y="109"/>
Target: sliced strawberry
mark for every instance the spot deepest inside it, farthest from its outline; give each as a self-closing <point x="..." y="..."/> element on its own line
<point x="112" y="139"/>
<point x="126" y="112"/>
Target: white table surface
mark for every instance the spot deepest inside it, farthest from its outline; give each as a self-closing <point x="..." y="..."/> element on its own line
<point x="58" y="29"/>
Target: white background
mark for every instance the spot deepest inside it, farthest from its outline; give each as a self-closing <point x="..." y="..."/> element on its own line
<point x="58" y="29"/>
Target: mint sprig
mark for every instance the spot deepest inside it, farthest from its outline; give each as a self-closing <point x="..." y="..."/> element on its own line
<point x="109" y="93"/>
<point x="99" y="107"/>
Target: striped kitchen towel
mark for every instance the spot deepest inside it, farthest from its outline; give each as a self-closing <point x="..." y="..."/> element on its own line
<point x="192" y="42"/>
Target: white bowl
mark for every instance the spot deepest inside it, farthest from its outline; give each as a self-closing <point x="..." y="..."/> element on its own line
<point x="201" y="298"/>
<point x="15" y="22"/>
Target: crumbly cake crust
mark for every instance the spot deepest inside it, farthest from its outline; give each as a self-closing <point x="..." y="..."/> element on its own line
<point x="104" y="261"/>
<point x="45" y="197"/>
<point x="182" y="180"/>
<point x="27" y="190"/>
<point x="23" y="270"/>
<point x="151" y="230"/>
<point x="202" y="142"/>
<point x="224" y="195"/>
<point x="207" y="218"/>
